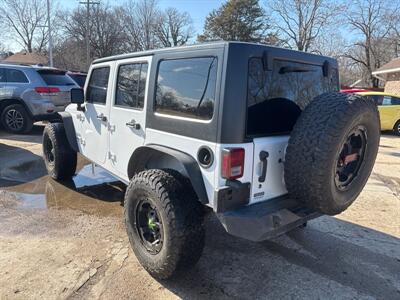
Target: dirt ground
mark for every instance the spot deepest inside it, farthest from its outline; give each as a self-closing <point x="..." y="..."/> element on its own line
<point x="68" y="241"/>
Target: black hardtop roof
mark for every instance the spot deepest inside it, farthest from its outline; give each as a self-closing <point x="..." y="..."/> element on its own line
<point x="276" y="51"/>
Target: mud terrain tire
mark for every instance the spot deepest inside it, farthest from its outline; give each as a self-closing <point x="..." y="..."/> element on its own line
<point x="181" y="217"/>
<point x="331" y="151"/>
<point x="60" y="159"/>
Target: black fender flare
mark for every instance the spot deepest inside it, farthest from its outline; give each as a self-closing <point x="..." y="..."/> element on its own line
<point x="69" y="130"/>
<point x="142" y="155"/>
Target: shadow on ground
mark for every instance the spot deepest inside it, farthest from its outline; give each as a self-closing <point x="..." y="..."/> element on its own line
<point x="309" y="263"/>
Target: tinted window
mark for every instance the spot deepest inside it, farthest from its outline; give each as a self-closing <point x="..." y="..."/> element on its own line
<point x="131" y="85"/>
<point x="377" y="99"/>
<point x="387" y="100"/>
<point x="186" y="87"/>
<point x="55" y="77"/>
<point x="395" y="101"/>
<point x="79" y="79"/>
<point x="275" y="98"/>
<point x="15" y="76"/>
<point x="97" y="88"/>
<point x="2" y="75"/>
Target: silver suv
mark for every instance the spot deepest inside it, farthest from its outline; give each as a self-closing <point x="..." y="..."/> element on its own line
<point x="31" y="93"/>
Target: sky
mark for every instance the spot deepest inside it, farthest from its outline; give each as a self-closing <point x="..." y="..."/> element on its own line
<point x="198" y="9"/>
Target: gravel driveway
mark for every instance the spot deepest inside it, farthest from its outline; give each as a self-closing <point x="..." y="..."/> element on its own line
<point x="68" y="241"/>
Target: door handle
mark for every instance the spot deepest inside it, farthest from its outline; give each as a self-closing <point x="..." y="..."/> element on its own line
<point x="102" y="117"/>
<point x="133" y="124"/>
<point x="263" y="157"/>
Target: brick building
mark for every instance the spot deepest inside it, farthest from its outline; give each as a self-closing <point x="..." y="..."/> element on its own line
<point x="390" y="74"/>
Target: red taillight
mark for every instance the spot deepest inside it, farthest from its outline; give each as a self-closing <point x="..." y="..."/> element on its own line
<point x="232" y="163"/>
<point x="47" y="90"/>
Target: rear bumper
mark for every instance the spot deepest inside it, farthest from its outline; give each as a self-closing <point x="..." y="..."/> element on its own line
<point x="265" y="220"/>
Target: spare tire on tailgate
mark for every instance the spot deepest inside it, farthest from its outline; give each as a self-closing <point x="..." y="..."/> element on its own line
<point x="331" y="151"/>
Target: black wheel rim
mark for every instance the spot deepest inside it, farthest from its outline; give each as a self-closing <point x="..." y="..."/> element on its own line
<point x="49" y="150"/>
<point x="149" y="226"/>
<point x="350" y="158"/>
<point x="14" y="119"/>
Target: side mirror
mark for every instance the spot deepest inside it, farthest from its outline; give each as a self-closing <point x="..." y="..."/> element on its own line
<point x="78" y="97"/>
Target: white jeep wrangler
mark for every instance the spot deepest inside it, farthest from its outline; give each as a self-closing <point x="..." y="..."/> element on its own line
<point x="258" y="134"/>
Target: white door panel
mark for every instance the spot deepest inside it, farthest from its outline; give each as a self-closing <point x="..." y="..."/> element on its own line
<point x="94" y="124"/>
<point x="128" y="113"/>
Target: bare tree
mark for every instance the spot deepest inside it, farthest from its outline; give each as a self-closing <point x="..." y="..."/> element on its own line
<point x="301" y="22"/>
<point x="174" y="28"/>
<point x="24" y="19"/>
<point x="373" y="22"/>
<point x="107" y="37"/>
<point x="140" y="22"/>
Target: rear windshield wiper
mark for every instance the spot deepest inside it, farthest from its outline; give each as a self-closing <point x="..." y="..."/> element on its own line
<point x="284" y="70"/>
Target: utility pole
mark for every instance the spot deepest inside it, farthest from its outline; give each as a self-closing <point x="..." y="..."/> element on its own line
<point x="50" y="39"/>
<point x="87" y="35"/>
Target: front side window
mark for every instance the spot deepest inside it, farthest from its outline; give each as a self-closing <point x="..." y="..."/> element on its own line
<point x="15" y="76"/>
<point x="186" y="87"/>
<point x="131" y="85"/>
<point x="97" y="88"/>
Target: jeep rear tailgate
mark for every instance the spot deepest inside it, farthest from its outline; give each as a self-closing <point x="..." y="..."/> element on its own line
<point x="269" y="156"/>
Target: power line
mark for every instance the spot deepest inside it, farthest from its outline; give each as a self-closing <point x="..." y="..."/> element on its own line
<point x="87" y="37"/>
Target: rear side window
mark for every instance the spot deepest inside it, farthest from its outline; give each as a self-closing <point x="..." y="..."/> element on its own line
<point x="97" y="88"/>
<point x="15" y="76"/>
<point x="2" y="75"/>
<point x="131" y="84"/>
<point x="55" y="77"/>
<point x="186" y="87"/>
<point x="395" y="101"/>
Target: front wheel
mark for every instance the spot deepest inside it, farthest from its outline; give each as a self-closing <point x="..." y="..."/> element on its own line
<point x="60" y="159"/>
<point x="396" y="128"/>
<point x="164" y="221"/>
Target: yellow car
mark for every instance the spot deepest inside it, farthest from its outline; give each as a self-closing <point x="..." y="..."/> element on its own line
<point x="389" y="109"/>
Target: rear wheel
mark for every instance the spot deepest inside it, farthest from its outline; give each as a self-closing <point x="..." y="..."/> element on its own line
<point x="396" y="128"/>
<point x="16" y="119"/>
<point x="164" y="221"/>
<point x="331" y="151"/>
<point x="60" y="159"/>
